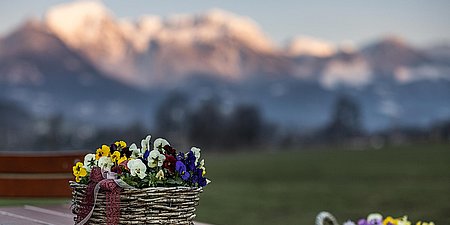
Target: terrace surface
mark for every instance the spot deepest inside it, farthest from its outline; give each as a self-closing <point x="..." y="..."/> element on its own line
<point x="47" y="214"/>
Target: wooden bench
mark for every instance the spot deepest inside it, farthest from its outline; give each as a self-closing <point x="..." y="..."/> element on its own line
<point x="37" y="174"/>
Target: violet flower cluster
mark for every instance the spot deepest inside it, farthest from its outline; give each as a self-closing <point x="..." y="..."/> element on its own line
<point x="377" y="219"/>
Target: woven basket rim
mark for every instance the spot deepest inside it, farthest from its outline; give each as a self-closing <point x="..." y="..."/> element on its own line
<point x="78" y="185"/>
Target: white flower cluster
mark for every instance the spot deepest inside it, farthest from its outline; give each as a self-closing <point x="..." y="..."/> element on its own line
<point x="155" y="157"/>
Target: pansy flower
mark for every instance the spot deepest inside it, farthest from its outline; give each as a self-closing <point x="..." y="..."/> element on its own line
<point x="202" y="181"/>
<point x="363" y="222"/>
<point x="105" y="163"/>
<point x="181" y="169"/>
<point x="424" y="223"/>
<point x="89" y="161"/>
<point x="375" y="219"/>
<point x="160" y="175"/>
<point x="121" y="160"/>
<point x="79" y="171"/>
<point x="180" y="156"/>
<point x="196" y="152"/>
<point x="190" y="161"/>
<point x="155" y="159"/>
<point x="390" y="221"/>
<point x="135" y="152"/>
<point x="145" y="144"/>
<point x="403" y="221"/>
<point x="115" y="156"/>
<point x="202" y="166"/>
<point x="103" y="151"/>
<point x="159" y="144"/>
<point x="137" y="168"/>
<point x="121" y="144"/>
<point x="125" y="152"/>
<point x="169" y="163"/>
<point x="169" y="150"/>
<point x="349" y="222"/>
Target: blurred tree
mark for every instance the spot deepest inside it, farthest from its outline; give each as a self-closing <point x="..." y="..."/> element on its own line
<point x="15" y="125"/>
<point x="346" y="119"/>
<point x="244" y="125"/>
<point x="206" y="124"/>
<point x="171" y="115"/>
<point x="53" y="137"/>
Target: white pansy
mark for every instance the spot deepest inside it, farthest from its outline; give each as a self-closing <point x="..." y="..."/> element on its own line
<point x="349" y="222"/>
<point x="135" y="151"/>
<point x="207" y="181"/>
<point x="160" y="175"/>
<point x="403" y="221"/>
<point x="155" y="159"/>
<point x="160" y="143"/>
<point x="196" y="152"/>
<point x="202" y="166"/>
<point x="137" y="168"/>
<point x="145" y="143"/>
<point x="89" y="162"/>
<point x="374" y="216"/>
<point x="105" y="163"/>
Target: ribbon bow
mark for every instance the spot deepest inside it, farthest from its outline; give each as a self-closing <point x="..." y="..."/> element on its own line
<point x="104" y="181"/>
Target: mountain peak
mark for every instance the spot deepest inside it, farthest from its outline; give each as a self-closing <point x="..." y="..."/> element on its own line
<point x="80" y="8"/>
<point x="70" y="19"/>
<point x="239" y="27"/>
<point x="303" y="45"/>
<point x="394" y="40"/>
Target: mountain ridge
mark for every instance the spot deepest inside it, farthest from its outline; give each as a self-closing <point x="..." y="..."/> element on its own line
<point x="153" y="50"/>
<point x="114" y="68"/>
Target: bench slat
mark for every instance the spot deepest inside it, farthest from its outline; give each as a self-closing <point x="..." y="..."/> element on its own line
<point x="35" y="188"/>
<point x="38" y="163"/>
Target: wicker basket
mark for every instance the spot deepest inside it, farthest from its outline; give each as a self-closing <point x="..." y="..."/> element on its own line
<point x="160" y="205"/>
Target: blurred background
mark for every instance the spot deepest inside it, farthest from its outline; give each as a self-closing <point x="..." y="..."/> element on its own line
<point x="299" y="106"/>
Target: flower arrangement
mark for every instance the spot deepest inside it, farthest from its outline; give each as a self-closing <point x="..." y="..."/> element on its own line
<point x="160" y="166"/>
<point x="377" y="219"/>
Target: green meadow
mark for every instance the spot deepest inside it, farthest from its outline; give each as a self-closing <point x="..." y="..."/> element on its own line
<point x="292" y="187"/>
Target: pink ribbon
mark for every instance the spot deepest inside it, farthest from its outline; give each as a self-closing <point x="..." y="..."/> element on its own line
<point x="96" y="183"/>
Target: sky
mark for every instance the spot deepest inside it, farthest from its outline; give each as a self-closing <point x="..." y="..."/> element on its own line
<point x="421" y="22"/>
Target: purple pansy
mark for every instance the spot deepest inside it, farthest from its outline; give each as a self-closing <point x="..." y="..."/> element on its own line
<point x="190" y="161"/>
<point x="202" y="181"/>
<point x="146" y="154"/>
<point x="180" y="156"/>
<point x="181" y="169"/>
<point x="362" y="222"/>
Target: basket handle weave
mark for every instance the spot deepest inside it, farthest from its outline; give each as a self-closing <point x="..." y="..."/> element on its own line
<point x="326" y="218"/>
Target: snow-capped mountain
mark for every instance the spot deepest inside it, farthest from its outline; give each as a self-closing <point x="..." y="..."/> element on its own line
<point x="153" y="50"/>
<point x="308" y="46"/>
<point x="41" y="73"/>
<point x="81" y="60"/>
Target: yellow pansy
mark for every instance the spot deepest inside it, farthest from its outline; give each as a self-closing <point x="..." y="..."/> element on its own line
<point x="424" y="223"/>
<point x="122" y="159"/>
<point x="79" y="171"/>
<point x="103" y="151"/>
<point x="121" y="144"/>
<point x="115" y="156"/>
<point x="390" y="221"/>
<point x="160" y="175"/>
